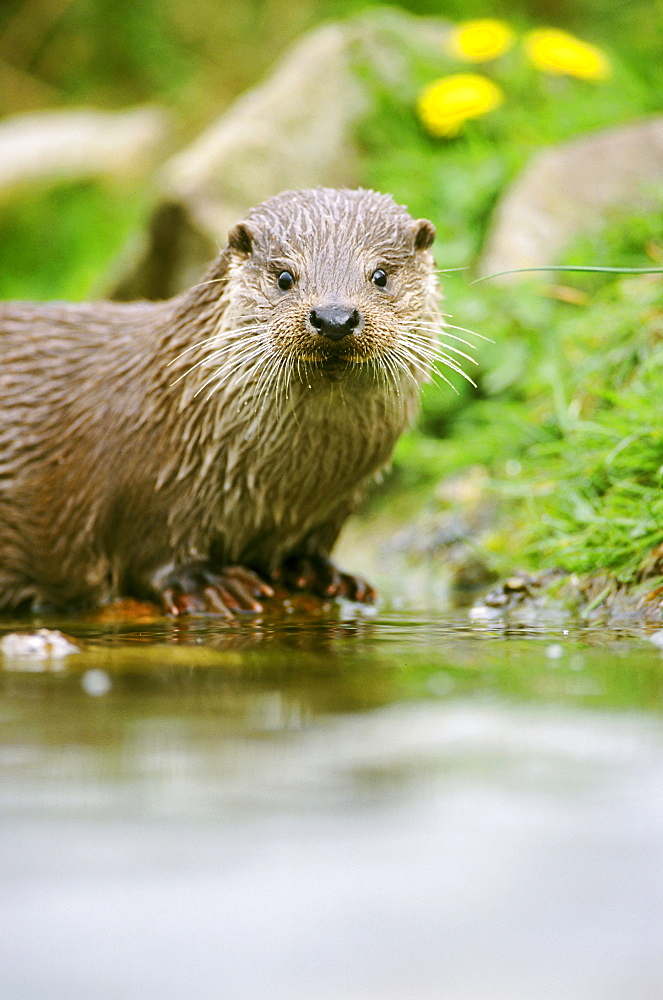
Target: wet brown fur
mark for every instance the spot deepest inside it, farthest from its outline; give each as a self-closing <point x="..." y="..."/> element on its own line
<point x="125" y="449"/>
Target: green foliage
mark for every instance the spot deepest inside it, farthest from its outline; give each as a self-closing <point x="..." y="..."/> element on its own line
<point x="57" y="241"/>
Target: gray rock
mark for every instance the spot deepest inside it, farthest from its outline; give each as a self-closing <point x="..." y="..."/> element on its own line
<point x="45" y="649"/>
<point x="572" y="189"/>
<point x="296" y="129"/>
<point x="68" y="145"/>
<point x="291" y="131"/>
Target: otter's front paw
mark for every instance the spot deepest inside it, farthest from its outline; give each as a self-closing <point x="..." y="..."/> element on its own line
<point x="319" y="575"/>
<point x="197" y="588"/>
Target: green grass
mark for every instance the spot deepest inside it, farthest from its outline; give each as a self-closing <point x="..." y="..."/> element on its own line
<point x="571" y="394"/>
<point x="62" y="241"/>
<point x="605" y="462"/>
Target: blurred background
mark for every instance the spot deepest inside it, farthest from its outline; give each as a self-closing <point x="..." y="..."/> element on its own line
<point x="193" y="58"/>
<point x="133" y="201"/>
<point x="196" y="56"/>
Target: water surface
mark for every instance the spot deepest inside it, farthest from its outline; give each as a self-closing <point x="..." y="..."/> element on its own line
<point x="400" y="806"/>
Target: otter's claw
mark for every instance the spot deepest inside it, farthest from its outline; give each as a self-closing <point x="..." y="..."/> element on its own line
<point x="198" y="589"/>
<point x="319" y="575"/>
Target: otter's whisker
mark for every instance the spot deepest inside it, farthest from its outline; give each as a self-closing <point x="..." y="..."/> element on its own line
<point x="433" y="374"/>
<point x="223" y="373"/>
<point x="440" y="357"/>
<point x="272" y="374"/>
<point x="396" y="363"/>
<point x="386" y="377"/>
<point x="213" y="357"/>
<point x="263" y="359"/>
<point x="212" y="281"/>
<point x="283" y="384"/>
<point x="284" y="396"/>
<point x="218" y="359"/>
<point x="263" y="379"/>
<point x="448" y="363"/>
<point x="433" y="350"/>
<point x="454" y="367"/>
<point x="463" y="329"/>
<point x="249" y="351"/>
<point x="226" y="337"/>
<point x="441" y="333"/>
<point x="238" y="361"/>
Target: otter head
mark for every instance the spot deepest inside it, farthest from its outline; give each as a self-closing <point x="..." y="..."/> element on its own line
<point x="334" y="279"/>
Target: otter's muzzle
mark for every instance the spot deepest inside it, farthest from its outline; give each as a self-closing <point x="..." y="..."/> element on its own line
<point x="334" y="322"/>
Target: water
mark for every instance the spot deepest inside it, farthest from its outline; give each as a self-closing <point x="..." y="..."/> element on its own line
<point x="376" y="809"/>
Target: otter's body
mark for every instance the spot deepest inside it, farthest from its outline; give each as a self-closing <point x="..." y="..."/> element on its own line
<point x="234" y="424"/>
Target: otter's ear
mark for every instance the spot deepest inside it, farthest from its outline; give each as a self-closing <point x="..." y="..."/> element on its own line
<point x="424" y="234"/>
<point x="240" y="238"/>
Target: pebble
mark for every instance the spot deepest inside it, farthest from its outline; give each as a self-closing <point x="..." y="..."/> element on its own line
<point x="44" y="649"/>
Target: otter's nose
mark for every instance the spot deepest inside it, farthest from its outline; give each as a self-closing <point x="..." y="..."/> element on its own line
<point x="334" y="322"/>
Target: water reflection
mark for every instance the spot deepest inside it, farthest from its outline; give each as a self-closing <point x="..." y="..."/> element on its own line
<point x="374" y="808"/>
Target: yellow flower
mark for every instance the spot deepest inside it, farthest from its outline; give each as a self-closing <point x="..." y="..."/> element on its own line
<point x="480" y="40"/>
<point x="559" y="52"/>
<point x="446" y="103"/>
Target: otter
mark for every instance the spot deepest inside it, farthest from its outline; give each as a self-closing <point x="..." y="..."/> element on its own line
<point x="195" y="450"/>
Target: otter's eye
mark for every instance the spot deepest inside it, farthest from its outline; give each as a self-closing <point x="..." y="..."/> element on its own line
<point x="285" y="281"/>
<point x="379" y="278"/>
